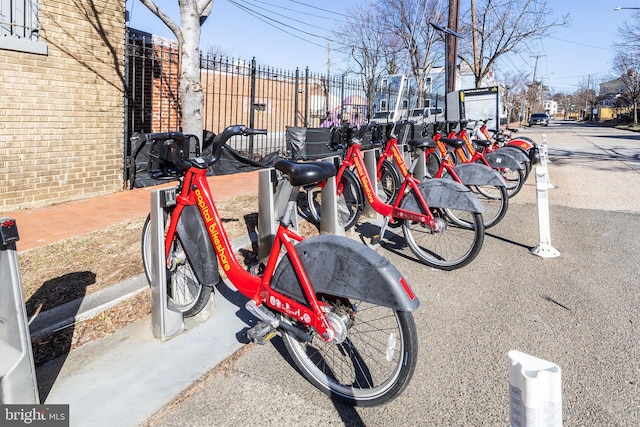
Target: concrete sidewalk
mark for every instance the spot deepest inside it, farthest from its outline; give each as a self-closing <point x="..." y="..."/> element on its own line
<point x="42" y="226"/>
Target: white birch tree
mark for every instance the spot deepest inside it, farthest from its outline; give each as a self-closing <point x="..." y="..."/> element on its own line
<point x="193" y="14"/>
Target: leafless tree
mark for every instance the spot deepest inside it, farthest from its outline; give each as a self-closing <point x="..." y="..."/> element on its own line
<point x="216" y="51"/>
<point x="498" y="27"/>
<point x="626" y="63"/>
<point x="513" y="93"/>
<point x="193" y="13"/>
<point x="363" y="42"/>
<point x="628" y="66"/>
<point x="407" y="24"/>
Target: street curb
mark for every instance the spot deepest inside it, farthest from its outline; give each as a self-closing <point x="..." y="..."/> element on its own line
<point x="84" y="308"/>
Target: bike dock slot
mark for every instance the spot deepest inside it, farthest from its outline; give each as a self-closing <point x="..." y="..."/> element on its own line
<point x="166" y="320"/>
<point x="372" y="170"/>
<point x="329" y="205"/>
<point x="18" y="383"/>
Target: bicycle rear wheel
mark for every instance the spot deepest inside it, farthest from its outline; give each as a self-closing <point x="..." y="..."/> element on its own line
<point x="388" y="182"/>
<point x="452" y="247"/>
<point x="514" y="179"/>
<point x="350" y="200"/>
<point x="494" y="200"/>
<point x="183" y="287"/>
<point x="374" y="362"/>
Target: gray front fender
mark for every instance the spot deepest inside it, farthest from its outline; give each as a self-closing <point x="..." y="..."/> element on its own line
<point x="342" y="267"/>
<point x="445" y="194"/>
<point x="501" y="160"/>
<point x="197" y="245"/>
<point x="478" y="174"/>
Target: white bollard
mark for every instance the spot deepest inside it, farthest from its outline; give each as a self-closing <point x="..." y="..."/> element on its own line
<point x="535" y="391"/>
<point x="544" y="158"/>
<point x="544" y="248"/>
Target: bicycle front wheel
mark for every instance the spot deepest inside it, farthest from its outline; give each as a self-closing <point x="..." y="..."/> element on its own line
<point x="371" y="365"/>
<point x="183" y="287"/>
<point x="452" y="246"/>
<point x="350" y="200"/>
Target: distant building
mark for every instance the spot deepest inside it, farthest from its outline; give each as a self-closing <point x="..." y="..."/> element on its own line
<point x="550" y="107"/>
<point x="612" y="100"/>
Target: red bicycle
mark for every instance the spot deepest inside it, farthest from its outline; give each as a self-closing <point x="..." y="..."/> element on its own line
<point x="423" y="209"/>
<point x="343" y="310"/>
<point x="476" y="151"/>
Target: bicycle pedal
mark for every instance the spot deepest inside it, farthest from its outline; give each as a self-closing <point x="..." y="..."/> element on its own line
<point x="375" y="239"/>
<point x="261" y="333"/>
<point x="257" y="269"/>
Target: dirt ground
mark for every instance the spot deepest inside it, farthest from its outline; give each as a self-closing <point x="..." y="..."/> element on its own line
<point x="61" y="272"/>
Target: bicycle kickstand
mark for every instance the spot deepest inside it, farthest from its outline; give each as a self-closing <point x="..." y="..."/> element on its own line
<point x="377" y="237"/>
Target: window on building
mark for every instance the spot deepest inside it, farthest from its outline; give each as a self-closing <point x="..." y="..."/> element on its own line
<point x="383" y="105"/>
<point x="405" y="104"/>
<point x="19" y="28"/>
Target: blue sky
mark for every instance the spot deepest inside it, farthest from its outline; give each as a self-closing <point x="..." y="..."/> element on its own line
<point x="567" y="59"/>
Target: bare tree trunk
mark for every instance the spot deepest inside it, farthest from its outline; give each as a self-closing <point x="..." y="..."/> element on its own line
<point x="190" y="85"/>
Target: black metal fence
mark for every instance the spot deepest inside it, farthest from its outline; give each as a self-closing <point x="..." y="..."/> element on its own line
<point x="235" y="92"/>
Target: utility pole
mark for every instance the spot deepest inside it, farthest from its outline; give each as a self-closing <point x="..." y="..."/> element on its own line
<point x="452" y="45"/>
<point x="533" y="92"/>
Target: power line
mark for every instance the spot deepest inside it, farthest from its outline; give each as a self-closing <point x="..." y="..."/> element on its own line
<point x="284" y="16"/>
<point x="278" y="24"/>
<point x="330" y="18"/>
<point x="266" y="20"/>
<point x="580" y="44"/>
<point x="319" y="8"/>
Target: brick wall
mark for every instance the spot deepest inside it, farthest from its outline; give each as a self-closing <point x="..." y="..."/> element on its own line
<point x="61" y="121"/>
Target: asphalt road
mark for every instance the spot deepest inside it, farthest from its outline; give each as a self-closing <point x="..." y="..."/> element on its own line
<point x="579" y="310"/>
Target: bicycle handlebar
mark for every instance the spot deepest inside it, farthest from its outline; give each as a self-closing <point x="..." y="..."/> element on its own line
<point x="224" y="136"/>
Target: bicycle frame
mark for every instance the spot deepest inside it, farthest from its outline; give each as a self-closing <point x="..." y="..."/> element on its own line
<point x="474" y="154"/>
<point x="196" y="191"/>
<point x="354" y="158"/>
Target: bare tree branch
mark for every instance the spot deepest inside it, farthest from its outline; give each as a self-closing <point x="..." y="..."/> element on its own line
<point x="502" y="27"/>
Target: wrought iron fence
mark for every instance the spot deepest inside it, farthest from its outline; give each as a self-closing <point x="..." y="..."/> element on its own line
<point x="235" y="92"/>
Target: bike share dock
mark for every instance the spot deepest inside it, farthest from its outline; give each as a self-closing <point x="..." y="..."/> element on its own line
<point x="145" y="365"/>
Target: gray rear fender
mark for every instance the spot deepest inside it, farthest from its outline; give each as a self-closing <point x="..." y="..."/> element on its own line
<point x="445" y="194"/>
<point x="197" y="246"/>
<point x="500" y="160"/>
<point x="342" y="267"/>
<point x="516" y="152"/>
<point x="478" y="174"/>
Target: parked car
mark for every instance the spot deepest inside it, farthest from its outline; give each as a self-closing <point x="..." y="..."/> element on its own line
<point x="539" y="119"/>
<point x="424" y="115"/>
<point x="382" y="117"/>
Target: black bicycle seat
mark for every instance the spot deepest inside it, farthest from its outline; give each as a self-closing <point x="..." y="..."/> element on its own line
<point x="304" y="173"/>
<point x="454" y="142"/>
<point x="482" y="142"/>
<point x="422" y="143"/>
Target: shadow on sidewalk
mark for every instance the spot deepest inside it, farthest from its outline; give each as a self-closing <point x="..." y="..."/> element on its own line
<point x="50" y="351"/>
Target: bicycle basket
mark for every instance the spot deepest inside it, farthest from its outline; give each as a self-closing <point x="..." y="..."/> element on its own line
<point x="311" y="143"/>
<point x="157" y="156"/>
